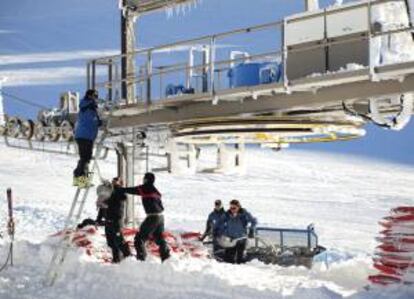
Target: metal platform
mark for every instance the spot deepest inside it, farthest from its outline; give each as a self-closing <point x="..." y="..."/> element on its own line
<point x="323" y="84"/>
<point x="321" y="91"/>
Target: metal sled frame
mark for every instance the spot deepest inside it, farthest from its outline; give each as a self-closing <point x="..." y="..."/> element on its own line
<point x="279" y="248"/>
<point x="312" y="240"/>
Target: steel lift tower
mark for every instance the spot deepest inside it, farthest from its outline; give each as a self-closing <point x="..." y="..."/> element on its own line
<point x="129" y="154"/>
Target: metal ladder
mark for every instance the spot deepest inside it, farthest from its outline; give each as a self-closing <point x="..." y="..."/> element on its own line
<point x="73" y="217"/>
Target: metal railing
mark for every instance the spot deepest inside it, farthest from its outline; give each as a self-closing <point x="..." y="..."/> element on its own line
<point x="286" y="238"/>
<point x="207" y="76"/>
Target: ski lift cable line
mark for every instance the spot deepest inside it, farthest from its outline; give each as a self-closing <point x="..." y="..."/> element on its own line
<point x="24" y="101"/>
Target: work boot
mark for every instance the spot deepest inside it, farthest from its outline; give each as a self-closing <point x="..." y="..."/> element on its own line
<point x="125" y="250"/>
<point x="164" y="254"/>
<point x="165" y="257"/>
<point x="139" y="244"/>
<point x="76" y="181"/>
<point x="84" y="182"/>
<point x="115" y="256"/>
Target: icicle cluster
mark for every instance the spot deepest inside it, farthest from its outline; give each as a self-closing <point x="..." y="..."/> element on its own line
<point x="181" y="9"/>
<point x="394" y="257"/>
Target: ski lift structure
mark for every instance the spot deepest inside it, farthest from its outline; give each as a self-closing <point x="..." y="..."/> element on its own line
<point x="324" y="76"/>
<point x="317" y="76"/>
<point x="321" y="77"/>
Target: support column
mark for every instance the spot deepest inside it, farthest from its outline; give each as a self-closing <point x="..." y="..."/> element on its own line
<point x="130" y="181"/>
<point x="230" y="159"/>
<point x="239" y="159"/>
<point x="125" y="170"/>
<point x="222" y="157"/>
<point x="127" y="50"/>
<point x="173" y="156"/>
<point x="191" y="156"/>
<point x="206" y="62"/>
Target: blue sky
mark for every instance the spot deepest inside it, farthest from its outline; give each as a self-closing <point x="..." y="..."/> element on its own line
<point x="48" y="26"/>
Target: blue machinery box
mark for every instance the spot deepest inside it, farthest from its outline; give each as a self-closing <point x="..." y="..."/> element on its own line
<point x="244" y="74"/>
<point x="251" y="74"/>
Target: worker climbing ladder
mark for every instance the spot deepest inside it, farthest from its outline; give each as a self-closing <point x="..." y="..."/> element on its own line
<point x="73" y="217"/>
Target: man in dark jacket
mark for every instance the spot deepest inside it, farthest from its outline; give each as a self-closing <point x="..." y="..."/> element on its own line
<point x="233" y="226"/>
<point x="114" y="212"/>
<point x="212" y="221"/>
<point x="154" y="222"/>
<point x="86" y="130"/>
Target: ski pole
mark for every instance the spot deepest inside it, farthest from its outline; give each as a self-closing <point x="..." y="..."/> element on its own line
<point x="10" y="225"/>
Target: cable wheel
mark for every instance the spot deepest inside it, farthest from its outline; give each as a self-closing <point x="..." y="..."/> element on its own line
<point x="13" y="127"/>
<point x="3" y="130"/>
<point x="27" y="129"/>
<point x="53" y="133"/>
<point x="66" y="130"/>
<point x="39" y="131"/>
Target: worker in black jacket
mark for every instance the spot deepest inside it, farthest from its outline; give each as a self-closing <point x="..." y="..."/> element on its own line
<point x="213" y="219"/>
<point x="113" y="221"/>
<point x="154" y="222"/>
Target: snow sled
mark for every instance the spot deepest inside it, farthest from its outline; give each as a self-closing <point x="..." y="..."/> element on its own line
<point x="92" y="240"/>
<point x="281" y="246"/>
<point x="285" y="247"/>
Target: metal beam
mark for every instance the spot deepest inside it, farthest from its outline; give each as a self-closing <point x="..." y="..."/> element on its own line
<point x="127" y="51"/>
<point x="265" y="104"/>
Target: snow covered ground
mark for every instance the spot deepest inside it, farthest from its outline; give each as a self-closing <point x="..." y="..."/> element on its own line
<point x="344" y="197"/>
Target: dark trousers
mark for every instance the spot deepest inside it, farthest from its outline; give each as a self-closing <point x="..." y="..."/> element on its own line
<point x="236" y="254"/>
<point x="116" y="241"/>
<point x="152" y="225"/>
<point x="217" y="249"/>
<point x="101" y="216"/>
<point x="85" y="148"/>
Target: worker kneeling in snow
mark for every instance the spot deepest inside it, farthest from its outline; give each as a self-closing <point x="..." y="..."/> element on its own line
<point x="154" y="222"/>
<point x="231" y="232"/>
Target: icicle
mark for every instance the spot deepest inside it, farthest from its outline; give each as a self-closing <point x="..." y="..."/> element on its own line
<point x="181" y="8"/>
<point x="312" y="5"/>
<point x="2" y="119"/>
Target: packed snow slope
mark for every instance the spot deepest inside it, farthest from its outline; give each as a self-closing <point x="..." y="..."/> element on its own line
<point x="344" y="197"/>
